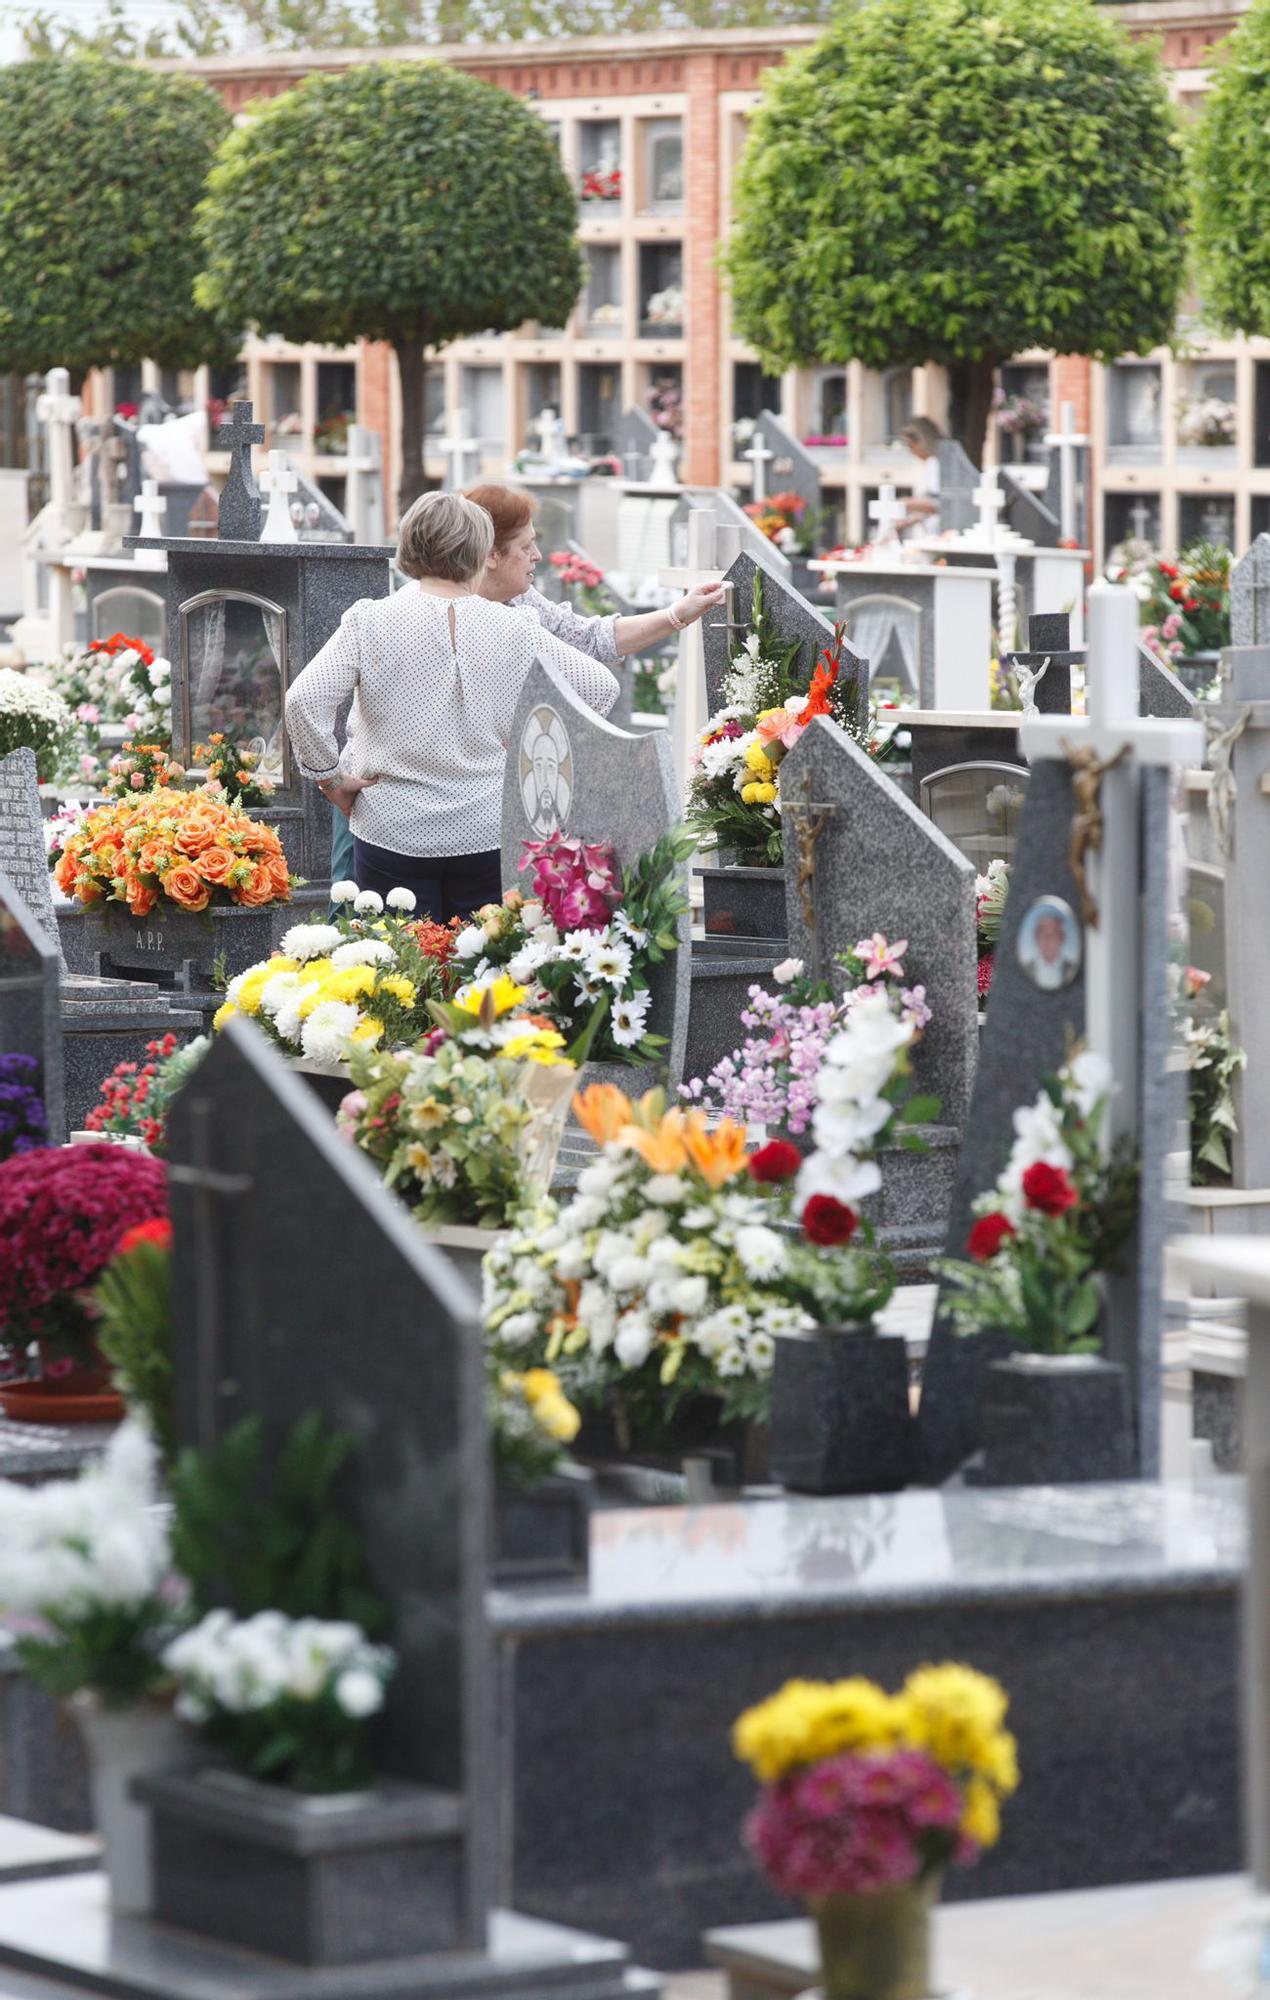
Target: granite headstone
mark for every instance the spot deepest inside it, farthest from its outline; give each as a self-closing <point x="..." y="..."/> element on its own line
<point x="23" y="856"/>
<point x="958" y="478"/>
<point x="30" y="1020"/>
<point x="793" y="619"/>
<point x="792" y="469"/>
<point x="1250" y="596"/>
<point x="1239" y="813"/>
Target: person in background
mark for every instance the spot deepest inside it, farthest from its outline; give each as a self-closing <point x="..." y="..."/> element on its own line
<point x="436" y="672"/>
<point x="923" y="439"/>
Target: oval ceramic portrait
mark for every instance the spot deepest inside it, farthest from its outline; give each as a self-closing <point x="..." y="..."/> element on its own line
<point x="1051" y="944"/>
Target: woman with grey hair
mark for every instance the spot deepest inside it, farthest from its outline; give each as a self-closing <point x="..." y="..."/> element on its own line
<point x="436" y="672"/>
<point x="923" y="438"/>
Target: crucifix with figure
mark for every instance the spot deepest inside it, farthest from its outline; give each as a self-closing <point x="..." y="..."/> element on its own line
<point x="239" y="518"/>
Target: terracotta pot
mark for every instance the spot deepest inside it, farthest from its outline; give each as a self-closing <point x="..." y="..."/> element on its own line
<point x="876" y="1947"/>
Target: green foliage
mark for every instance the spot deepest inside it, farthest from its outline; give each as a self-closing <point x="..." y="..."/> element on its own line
<point x="113" y="1649"/>
<point x="134" y="1332"/>
<point x="1229" y="180"/>
<point x="396" y="201"/>
<point x="1213" y="1062"/>
<point x="101" y="165"/>
<point x="271" y="1542"/>
<point x="956" y="180"/>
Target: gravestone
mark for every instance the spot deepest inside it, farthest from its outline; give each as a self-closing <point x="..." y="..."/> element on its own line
<point x="1250" y="596"/>
<point x="792" y="468"/>
<point x="1239" y="814"/>
<point x="1028" y="515"/>
<point x="734" y="532"/>
<point x="792" y="617"/>
<point x="959" y="477"/>
<point x="636" y="436"/>
<point x="1031" y="1027"/>
<point x="30" y="1021"/>
<point x="928" y="628"/>
<point x="568" y="768"/>
<point x="239" y="517"/>
<point x="364" y="484"/>
<point x="273" y="1215"/>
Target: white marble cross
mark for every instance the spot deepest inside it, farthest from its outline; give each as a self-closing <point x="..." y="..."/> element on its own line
<point x="990" y="501"/>
<point x="58" y="409"/>
<point x="548" y="439"/>
<point x="759" y="458"/>
<point x="1113" y="948"/>
<point x="1140" y="517"/>
<point x="458" y="447"/>
<point x="886" y="513"/>
<point x="150" y="506"/>
<point x="689" y="717"/>
<point x="1066" y="443"/>
<point x="663" y="461"/>
<point x="279" y="482"/>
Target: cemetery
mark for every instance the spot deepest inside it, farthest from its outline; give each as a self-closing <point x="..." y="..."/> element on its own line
<point x="692" y="1421"/>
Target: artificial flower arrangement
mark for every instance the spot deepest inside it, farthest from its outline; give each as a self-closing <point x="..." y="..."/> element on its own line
<point x="33" y="717"/>
<point x="773" y="1078"/>
<point x="140" y="767"/>
<point x="23" y="1121"/>
<point x="1206" y="420"/>
<point x="586" y="938"/>
<point x="1057" y="1218"/>
<point x="583" y="580"/>
<point x="991" y="891"/>
<point x="768" y="701"/>
<point x="675" y="1265"/>
<point x="866" y="1798"/>
<point x="135" y="1097"/>
<point x="783" y="518"/>
<point x="1185" y="604"/>
<point x="456" y="1124"/>
<point x="231" y="771"/>
<point x="1213" y="1061"/>
<point x="114" y="680"/>
<point x="1019" y="416"/>
<point x="600" y="184"/>
<point x="172" y="847"/>
<point x="63" y="1210"/>
<point x="363" y="980"/>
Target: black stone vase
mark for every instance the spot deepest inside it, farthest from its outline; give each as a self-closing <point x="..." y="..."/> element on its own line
<point x="1054" y="1419"/>
<point x="841" y="1421"/>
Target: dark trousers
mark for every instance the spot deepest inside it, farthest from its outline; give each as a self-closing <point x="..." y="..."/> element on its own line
<point x="451" y="886"/>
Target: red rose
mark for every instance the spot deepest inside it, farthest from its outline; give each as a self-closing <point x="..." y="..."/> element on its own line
<point x="828" y="1221"/>
<point x="158" y="1231"/>
<point x="1048" y="1189"/>
<point x="778" y="1160"/>
<point x="987" y="1236"/>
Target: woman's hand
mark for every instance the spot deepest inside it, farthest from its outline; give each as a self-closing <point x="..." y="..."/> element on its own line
<point x="343" y="791"/>
<point x="695" y="603"/>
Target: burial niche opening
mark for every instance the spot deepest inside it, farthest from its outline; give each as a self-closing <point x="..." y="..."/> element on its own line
<point x="234" y="661"/>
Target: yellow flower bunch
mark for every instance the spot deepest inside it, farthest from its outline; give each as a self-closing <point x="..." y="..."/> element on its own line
<point x="760" y="789"/>
<point x="952" y="1712"/>
<point x="552" y="1411"/>
<point x="382" y="999"/>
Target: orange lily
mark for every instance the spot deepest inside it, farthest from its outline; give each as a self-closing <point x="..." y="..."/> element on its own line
<point x="663" y="1148"/>
<point x="602" y="1110"/>
<point x="718" y="1156"/>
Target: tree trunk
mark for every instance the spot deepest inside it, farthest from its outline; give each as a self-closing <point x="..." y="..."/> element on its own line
<point x="971" y="384"/>
<point x="412" y="372"/>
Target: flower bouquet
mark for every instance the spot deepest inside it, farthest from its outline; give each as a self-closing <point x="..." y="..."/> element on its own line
<point x="600" y="184"/>
<point x="584" y="581"/>
<point x="172" y="847"/>
<point x="140" y="767"/>
<point x="231" y="771"/>
<point x="33" y="717"/>
<point x="867" y="1797"/>
<point x="1213" y="1061"/>
<point x="110" y="681"/>
<point x="586" y="941"/>
<point x="363" y="981"/>
<point x="63" y="1210"/>
<point x="467" y="1126"/>
<point x="991" y="891"/>
<point x="135" y="1097"/>
<point x="23" y="1122"/>
<point x="1207" y="420"/>
<point x="783" y="519"/>
<point x="1185" y="604"/>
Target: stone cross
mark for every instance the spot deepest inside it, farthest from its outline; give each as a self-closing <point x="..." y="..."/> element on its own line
<point x="239" y="518"/>
<point x="1250" y="596"/>
<point x="548" y="442"/>
<point x="1140" y="517"/>
<point x="1117" y="744"/>
<point x="886" y="513"/>
<point x="990" y="501"/>
<point x="150" y="507"/>
<point x="279" y="482"/>
<point x="663" y="461"/>
<point x="364" y="486"/>
<point x="59" y="410"/>
<point x="458" y="447"/>
<point x="1066" y="443"/>
<point x="690" y="717"/>
<point x="759" y="458"/>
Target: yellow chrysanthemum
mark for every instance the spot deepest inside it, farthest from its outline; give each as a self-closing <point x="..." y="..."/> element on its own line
<point x="956" y="1714"/>
<point x="758" y="761"/>
<point x="503" y="995"/>
<point x="401" y="988"/>
<point x="225" y="1012"/>
<point x="367" y="1031"/>
<point x="808" y="1720"/>
<point x="981" y="1820"/>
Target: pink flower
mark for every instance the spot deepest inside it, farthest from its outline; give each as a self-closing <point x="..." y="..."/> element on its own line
<point x="881" y="957"/>
<point x="1195" y="981"/>
<point x="137" y="781"/>
<point x="88" y="711"/>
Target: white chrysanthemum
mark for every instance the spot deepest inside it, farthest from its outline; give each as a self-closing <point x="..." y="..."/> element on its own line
<point x="601" y="1177"/>
<point x="306" y="941"/>
<point x="666" y="1189"/>
<point x="363" y="951"/>
<point x="761" y="1351"/>
<point x="634" y="1340"/>
<point x="276" y="992"/>
<point x="760" y="1250"/>
<point x="401" y="899"/>
<point x="368" y="903"/>
<point x="343" y="892"/>
<point x="578" y="946"/>
<point x="470" y="942"/>
<point x="327" y="1034"/>
<point x="730" y="1362"/>
<point x="359" y="1692"/>
<point x="847" y="1180"/>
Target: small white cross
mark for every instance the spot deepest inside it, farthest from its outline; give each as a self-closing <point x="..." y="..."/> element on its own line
<point x="279" y="482"/>
<point x="1113" y="950"/>
<point x="760" y="458"/>
<point x="990" y="501"/>
<point x="663" y="461"/>
<point x="458" y="447"/>
<point x="548" y="438"/>
<point x="886" y="513"/>
<point x="689" y="714"/>
<point x="150" y="506"/>
<point x="1066" y="443"/>
<point x="1140" y="516"/>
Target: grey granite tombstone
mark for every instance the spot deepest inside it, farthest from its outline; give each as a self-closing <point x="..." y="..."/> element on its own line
<point x="244" y="617"/>
<point x="321" y="520"/>
<point x="636" y="436"/>
<point x="792" y="468"/>
<point x="1025" y="513"/>
<point x="859" y="858"/>
<point x="240" y="496"/>
<point x="1250" y="596"/>
<point x="1160" y="692"/>
<point x="792" y="617"/>
<point x="1239" y="811"/>
<point x="958" y="478"/>
<point x="570" y="769"/>
<point x="22" y="852"/>
<point x="30" y="1021"/>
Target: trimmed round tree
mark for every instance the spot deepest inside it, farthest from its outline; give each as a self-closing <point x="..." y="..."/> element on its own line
<point x="403" y="202"/>
<point x="101" y="165"/>
<point x="957" y="181"/>
<point x="1231" y="180"/>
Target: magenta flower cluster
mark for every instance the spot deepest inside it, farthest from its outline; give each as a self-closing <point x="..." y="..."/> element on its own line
<point x="578" y="883"/>
<point x="62" y="1212"/>
<point x="772" y="1078"/>
<point x="854" y="1824"/>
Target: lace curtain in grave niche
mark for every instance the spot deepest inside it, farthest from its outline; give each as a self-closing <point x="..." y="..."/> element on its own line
<point x="885" y="631"/>
<point x="236" y="650"/>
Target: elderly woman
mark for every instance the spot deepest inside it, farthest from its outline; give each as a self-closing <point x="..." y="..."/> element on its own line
<point x="509" y="579"/>
<point x="436" y="671"/>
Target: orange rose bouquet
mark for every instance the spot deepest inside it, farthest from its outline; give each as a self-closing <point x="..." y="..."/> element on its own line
<point x="186" y="848"/>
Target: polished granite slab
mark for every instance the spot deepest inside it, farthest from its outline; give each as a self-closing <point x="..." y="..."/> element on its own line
<point x="28" y="1851"/>
<point x="790" y="1554"/>
<point x="63" y="1930"/>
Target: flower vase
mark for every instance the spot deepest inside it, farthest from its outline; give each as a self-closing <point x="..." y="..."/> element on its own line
<point x="547" y="1089"/>
<point x="876" y="1947"/>
<point x="121" y="1744"/>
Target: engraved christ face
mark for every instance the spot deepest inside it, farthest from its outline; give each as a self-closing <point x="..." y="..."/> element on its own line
<point x="546" y="771"/>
